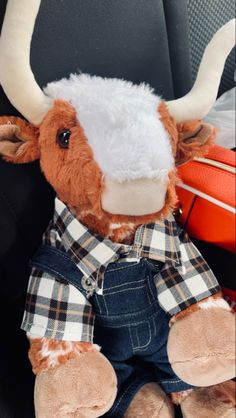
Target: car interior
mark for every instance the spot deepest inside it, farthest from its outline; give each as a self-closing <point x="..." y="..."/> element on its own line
<point x="159" y="42"/>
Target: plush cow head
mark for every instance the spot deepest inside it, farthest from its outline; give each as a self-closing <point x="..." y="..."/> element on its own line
<point x="107" y="147"/>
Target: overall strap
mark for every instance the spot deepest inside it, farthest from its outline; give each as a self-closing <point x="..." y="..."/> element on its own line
<point x="58" y="264"/>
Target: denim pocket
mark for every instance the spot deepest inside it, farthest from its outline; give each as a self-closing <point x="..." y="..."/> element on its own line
<point x="119" y="266"/>
<point x="140" y="335"/>
<point x="126" y="290"/>
<point x="127" y="298"/>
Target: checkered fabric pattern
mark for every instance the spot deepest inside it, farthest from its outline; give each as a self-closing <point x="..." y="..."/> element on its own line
<point x="56" y="310"/>
<point x="59" y="310"/>
<point x="91" y="253"/>
<point x="205" y="18"/>
<point x="180" y="286"/>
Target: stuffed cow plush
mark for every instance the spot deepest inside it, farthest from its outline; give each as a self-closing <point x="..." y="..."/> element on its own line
<point x="123" y="315"/>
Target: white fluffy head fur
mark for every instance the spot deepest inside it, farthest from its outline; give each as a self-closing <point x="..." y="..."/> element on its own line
<point x="122" y="125"/>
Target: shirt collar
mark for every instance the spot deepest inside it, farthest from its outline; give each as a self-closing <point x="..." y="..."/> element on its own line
<point x="92" y="252"/>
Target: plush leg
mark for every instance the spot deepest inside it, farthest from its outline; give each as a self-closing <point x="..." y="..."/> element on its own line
<point x="150" y="402"/>
<point x="201" y="347"/>
<point x="213" y="402"/>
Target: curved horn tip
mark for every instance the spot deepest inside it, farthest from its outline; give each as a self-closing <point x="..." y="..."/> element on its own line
<point x="229" y="26"/>
<point x="16" y="75"/>
<point x="227" y="33"/>
<point x="197" y="103"/>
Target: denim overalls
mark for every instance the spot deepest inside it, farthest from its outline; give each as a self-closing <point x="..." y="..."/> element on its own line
<point x="130" y="326"/>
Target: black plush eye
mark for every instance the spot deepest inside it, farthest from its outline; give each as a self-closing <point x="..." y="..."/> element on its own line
<point x="63" y="138"/>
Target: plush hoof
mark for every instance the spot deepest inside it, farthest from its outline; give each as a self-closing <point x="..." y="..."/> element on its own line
<point x="214" y="402"/>
<point x="201" y="347"/>
<point x="150" y="402"/>
<point x="84" y="387"/>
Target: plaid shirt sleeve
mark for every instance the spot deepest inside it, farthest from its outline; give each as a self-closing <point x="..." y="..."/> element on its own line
<point x="56" y="310"/>
<point x="180" y="286"/>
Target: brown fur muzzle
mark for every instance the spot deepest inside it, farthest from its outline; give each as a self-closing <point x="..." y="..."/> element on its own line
<point x="78" y="180"/>
<point x="75" y="175"/>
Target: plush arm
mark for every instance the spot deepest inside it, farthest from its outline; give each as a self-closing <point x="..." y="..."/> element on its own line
<point x="79" y="383"/>
<point x="73" y="377"/>
<point x="45" y="353"/>
<point x="201" y="341"/>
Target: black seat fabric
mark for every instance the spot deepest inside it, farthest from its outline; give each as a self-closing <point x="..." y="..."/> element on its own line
<point x="136" y="40"/>
<point x="205" y="17"/>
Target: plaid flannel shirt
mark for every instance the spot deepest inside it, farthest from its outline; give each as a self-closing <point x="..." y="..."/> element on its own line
<point x="60" y="311"/>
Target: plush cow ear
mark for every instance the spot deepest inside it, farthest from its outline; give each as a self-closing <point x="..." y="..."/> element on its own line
<point x="18" y="140"/>
<point x="194" y="140"/>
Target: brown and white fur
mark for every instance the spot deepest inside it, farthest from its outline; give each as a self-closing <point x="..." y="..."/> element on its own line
<point x="119" y="169"/>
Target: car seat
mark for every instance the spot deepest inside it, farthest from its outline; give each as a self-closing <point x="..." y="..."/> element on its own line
<point x="156" y="41"/>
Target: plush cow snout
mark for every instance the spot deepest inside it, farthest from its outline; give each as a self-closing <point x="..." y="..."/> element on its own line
<point x="134" y="197"/>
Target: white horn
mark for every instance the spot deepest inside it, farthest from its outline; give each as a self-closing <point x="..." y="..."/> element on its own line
<point x="197" y="103"/>
<point x="16" y="75"/>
